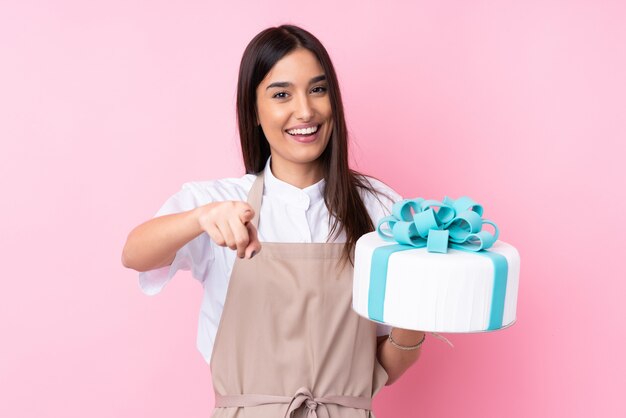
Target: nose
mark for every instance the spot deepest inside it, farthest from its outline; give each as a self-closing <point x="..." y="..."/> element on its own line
<point x="303" y="108"/>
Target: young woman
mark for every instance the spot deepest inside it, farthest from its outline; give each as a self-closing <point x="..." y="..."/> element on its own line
<point x="273" y="249"/>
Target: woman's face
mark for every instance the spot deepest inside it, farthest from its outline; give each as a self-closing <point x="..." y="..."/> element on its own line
<point x="293" y="108"/>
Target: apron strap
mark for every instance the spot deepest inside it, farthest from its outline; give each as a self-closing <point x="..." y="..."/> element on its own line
<point x="254" y="198"/>
<point x="302" y="396"/>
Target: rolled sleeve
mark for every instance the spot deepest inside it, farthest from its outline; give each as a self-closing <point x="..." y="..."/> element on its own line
<point x="152" y="282"/>
<point x="196" y="255"/>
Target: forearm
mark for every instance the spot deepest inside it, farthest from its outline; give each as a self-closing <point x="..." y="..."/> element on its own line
<point x="154" y="243"/>
<point x="394" y="360"/>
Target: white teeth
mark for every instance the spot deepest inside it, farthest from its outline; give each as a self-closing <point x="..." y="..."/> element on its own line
<point x="307" y="131"/>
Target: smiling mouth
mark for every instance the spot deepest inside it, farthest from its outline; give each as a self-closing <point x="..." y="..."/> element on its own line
<point x="304" y="132"/>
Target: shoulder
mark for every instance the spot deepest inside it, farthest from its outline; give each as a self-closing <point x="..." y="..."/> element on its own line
<point x="197" y="193"/>
<point x="232" y="188"/>
<point x="377" y="196"/>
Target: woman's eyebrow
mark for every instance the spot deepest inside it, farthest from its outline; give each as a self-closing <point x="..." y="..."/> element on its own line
<point x="287" y="83"/>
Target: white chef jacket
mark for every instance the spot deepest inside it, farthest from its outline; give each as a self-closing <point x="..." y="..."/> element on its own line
<point x="288" y="214"/>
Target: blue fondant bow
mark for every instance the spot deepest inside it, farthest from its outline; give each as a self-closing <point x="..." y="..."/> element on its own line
<point x="457" y="223"/>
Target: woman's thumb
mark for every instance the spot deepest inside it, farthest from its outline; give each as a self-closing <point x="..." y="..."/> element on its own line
<point x="246" y="216"/>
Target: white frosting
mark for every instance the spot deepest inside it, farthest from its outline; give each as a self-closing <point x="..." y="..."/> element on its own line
<point x="433" y="291"/>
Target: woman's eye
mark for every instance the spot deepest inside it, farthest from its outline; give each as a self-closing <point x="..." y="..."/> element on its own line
<point x="280" y="95"/>
<point x="319" y="89"/>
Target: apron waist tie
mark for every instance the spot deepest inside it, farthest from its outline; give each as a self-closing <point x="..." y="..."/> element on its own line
<point x="302" y="396"/>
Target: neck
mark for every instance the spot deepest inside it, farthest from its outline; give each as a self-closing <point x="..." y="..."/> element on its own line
<point x="299" y="175"/>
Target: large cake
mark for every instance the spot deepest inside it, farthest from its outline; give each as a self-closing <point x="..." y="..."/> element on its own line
<point x="431" y="267"/>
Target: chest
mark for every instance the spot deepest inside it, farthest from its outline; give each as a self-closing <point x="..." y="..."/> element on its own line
<point x="294" y="223"/>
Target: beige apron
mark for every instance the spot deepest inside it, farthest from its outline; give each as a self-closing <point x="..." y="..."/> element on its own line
<point x="288" y="343"/>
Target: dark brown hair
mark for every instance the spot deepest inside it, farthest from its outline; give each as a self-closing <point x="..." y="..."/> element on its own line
<point x="341" y="193"/>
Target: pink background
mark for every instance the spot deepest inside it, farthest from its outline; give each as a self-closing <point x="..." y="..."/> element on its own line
<point x="107" y="107"/>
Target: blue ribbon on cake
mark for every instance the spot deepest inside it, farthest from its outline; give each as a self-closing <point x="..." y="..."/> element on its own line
<point x="457" y="224"/>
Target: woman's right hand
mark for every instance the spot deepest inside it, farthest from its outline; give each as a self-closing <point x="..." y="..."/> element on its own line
<point x="229" y="225"/>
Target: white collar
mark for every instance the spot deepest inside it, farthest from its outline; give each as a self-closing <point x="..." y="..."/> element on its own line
<point x="300" y="198"/>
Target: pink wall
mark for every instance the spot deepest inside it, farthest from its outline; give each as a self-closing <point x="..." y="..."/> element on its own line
<point x="107" y="107"/>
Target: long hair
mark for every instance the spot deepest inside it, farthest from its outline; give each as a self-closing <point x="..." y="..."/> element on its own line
<point x="341" y="193"/>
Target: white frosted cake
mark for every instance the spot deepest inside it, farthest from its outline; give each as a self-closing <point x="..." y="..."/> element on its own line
<point x="453" y="290"/>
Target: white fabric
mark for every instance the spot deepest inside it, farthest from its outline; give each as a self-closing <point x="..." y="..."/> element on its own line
<point x="288" y="214"/>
